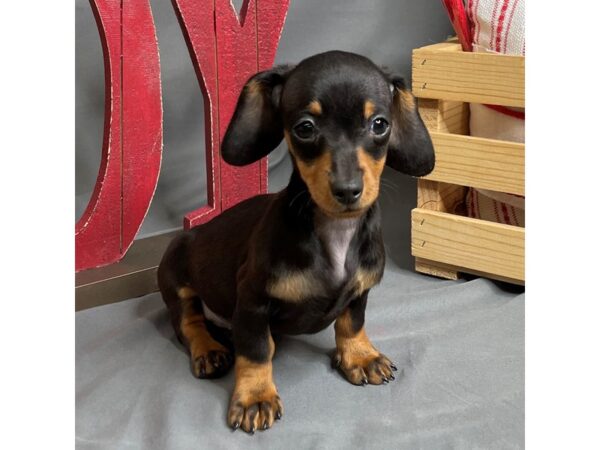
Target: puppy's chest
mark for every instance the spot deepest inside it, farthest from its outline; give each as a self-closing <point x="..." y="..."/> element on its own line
<point x="335" y="237"/>
<point x="336" y="271"/>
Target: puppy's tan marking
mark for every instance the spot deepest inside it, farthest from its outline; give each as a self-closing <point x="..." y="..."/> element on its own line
<point x="369" y="109"/>
<point x="201" y="345"/>
<point x="315" y="108"/>
<point x="354" y="348"/>
<point x="254" y="97"/>
<point x="372" y="169"/>
<point x="254" y="88"/>
<point x="365" y="279"/>
<point x="255" y="403"/>
<point x="294" y="286"/>
<point x="408" y="100"/>
<point x="356" y="357"/>
<point x="315" y="174"/>
<point x="185" y="293"/>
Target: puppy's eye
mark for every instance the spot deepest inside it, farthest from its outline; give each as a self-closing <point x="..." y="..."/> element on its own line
<point x="379" y="126"/>
<point x="305" y="130"/>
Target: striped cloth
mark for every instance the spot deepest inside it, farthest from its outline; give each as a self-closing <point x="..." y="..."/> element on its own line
<point x="497" y="26"/>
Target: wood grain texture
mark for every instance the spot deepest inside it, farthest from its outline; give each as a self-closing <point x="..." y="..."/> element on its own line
<point x="142" y="116"/>
<point x="453" y="117"/>
<point x="450" y="272"/>
<point x="435" y="269"/>
<point x="442" y="197"/>
<point x="429" y="111"/>
<point x="226" y="49"/>
<point x="132" y="143"/>
<point x="445" y="116"/>
<point x="441" y="73"/>
<point x="444" y="242"/>
<point x="474" y="244"/>
<point x="440" y="115"/>
<point x="237" y="61"/>
<point x="479" y="162"/>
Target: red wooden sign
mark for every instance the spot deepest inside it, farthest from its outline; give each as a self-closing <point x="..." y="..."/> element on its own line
<point x="132" y="147"/>
<point x="226" y="50"/>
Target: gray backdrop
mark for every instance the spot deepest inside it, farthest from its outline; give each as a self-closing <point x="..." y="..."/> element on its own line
<point x="384" y="30"/>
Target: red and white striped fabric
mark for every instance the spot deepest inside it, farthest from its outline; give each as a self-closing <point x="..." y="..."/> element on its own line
<point x="496" y="206"/>
<point x="497" y="26"/>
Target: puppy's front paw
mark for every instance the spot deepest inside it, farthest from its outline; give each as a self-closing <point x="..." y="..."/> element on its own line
<point x="364" y="366"/>
<point x="254" y="409"/>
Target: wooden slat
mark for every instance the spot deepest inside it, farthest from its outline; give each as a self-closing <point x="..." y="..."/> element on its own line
<point x="438" y="196"/>
<point x="429" y="111"/>
<point x="468" y="77"/>
<point x="436" y="269"/>
<point x="486" y="247"/>
<point x="443" y="197"/>
<point x="446" y="116"/>
<point x="479" y="162"/>
<point x="451" y="45"/>
<point x="453" y="117"/>
<point x="450" y="272"/>
<point x="440" y="115"/>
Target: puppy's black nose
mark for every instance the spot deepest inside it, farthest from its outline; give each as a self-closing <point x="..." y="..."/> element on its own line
<point x="347" y="192"/>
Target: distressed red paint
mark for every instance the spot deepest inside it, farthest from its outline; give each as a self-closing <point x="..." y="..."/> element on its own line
<point x="226" y="49"/>
<point x="132" y="144"/>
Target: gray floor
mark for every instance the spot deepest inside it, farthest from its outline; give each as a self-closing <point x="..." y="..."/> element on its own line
<point x="459" y="344"/>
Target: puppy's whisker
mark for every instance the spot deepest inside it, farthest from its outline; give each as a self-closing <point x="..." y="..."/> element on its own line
<point x="387" y="184"/>
<point x="387" y="195"/>
<point x="392" y="188"/>
<point x="385" y="190"/>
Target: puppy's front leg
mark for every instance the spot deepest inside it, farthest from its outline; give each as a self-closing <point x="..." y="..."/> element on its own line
<point x="359" y="361"/>
<point x="255" y="403"/>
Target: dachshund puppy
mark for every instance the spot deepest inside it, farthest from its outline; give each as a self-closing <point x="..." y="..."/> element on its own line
<point x="296" y="261"/>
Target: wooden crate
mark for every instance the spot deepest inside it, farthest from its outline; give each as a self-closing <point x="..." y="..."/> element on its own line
<point x="444" y="241"/>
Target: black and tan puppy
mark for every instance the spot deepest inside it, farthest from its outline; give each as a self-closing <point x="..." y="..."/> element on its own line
<point x="296" y="261"/>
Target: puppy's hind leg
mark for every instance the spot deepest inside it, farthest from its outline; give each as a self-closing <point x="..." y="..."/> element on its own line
<point x="208" y="357"/>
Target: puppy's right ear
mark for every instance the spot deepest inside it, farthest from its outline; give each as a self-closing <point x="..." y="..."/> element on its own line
<point x="257" y="126"/>
<point x="410" y="149"/>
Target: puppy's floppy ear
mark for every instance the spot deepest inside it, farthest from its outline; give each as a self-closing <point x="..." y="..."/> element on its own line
<point x="257" y="126"/>
<point x="410" y="150"/>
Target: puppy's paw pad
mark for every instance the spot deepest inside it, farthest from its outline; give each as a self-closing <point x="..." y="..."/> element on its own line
<point x="212" y="364"/>
<point x="255" y="413"/>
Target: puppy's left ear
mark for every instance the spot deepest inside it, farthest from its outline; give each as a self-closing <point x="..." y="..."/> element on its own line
<point x="256" y="127"/>
<point x="410" y="150"/>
